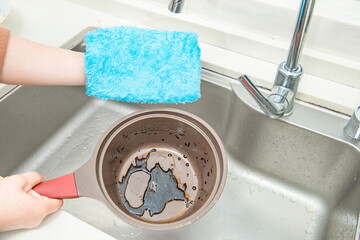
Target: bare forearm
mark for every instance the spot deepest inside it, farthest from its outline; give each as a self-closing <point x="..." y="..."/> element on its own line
<point x="30" y="63"/>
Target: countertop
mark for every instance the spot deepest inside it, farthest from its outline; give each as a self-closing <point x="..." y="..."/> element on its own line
<point x="54" y="22"/>
<point x="58" y="226"/>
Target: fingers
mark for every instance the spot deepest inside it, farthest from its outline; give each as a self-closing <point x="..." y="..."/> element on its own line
<point x="54" y="205"/>
<point x="27" y="181"/>
<point x="30" y="179"/>
<point x="50" y="205"/>
<point x="22" y="207"/>
<point x="46" y="207"/>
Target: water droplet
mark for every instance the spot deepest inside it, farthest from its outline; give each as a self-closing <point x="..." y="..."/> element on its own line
<point x="115" y="223"/>
<point x="309" y="209"/>
<point x="252" y="189"/>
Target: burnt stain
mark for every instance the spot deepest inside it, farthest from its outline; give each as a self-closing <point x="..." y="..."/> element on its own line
<point x="162" y="188"/>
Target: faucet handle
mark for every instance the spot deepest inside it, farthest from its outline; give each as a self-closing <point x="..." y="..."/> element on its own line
<point x="352" y="128"/>
<point x="275" y="105"/>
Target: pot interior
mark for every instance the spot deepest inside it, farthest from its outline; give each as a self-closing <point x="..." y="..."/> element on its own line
<point x="161" y="168"/>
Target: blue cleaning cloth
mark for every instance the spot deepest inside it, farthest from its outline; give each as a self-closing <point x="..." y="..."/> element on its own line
<point x="142" y="65"/>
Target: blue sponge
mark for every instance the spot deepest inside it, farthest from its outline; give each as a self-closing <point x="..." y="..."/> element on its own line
<point x="142" y="65"/>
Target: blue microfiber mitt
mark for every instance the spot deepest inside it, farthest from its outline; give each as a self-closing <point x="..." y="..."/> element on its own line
<point x="142" y="65"/>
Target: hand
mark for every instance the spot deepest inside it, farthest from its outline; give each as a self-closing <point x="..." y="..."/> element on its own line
<point x="20" y="206"/>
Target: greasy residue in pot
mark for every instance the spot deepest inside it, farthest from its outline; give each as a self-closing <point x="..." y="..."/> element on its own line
<point x="158" y="179"/>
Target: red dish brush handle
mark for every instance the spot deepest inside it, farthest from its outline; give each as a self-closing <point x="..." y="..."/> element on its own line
<point x="61" y="187"/>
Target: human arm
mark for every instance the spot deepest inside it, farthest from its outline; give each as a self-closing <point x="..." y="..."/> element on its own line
<point x="29" y="63"/>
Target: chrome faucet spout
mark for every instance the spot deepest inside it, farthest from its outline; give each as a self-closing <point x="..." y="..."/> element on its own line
<point x="176" y="6"/>
<point x="301" y="26"/>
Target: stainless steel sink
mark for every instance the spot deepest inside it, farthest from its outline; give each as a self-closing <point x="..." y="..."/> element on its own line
<point x="295" y="178"/>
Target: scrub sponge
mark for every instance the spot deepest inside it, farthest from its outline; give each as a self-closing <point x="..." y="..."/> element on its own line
<point x="142" y="65"/>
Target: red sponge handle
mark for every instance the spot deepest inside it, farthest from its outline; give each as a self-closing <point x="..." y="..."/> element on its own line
<point x="61" y="187"/>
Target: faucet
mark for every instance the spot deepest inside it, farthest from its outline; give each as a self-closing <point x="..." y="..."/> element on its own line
<point x="280" y="102"/>
<point x="176" y="6"/>
<point x="352" y="128"/>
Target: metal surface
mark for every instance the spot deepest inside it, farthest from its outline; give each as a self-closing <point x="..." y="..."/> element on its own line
<point x="289" y="72"/>
<point x="304" y="15"/>
<point x="295" y="178"/>
<point x="176" y="6"/>
<point x="275" y="108"/>
<point x="352" y="128"/>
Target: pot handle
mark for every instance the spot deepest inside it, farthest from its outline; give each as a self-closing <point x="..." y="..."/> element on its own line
<point x="63" y="187"/>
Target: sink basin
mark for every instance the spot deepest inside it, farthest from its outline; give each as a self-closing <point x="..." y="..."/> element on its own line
<point x="294" y="178"/>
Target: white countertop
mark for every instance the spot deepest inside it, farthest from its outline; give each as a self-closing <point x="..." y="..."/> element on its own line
<point x="54" y="22"/>
<point x="58" y="226"/>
